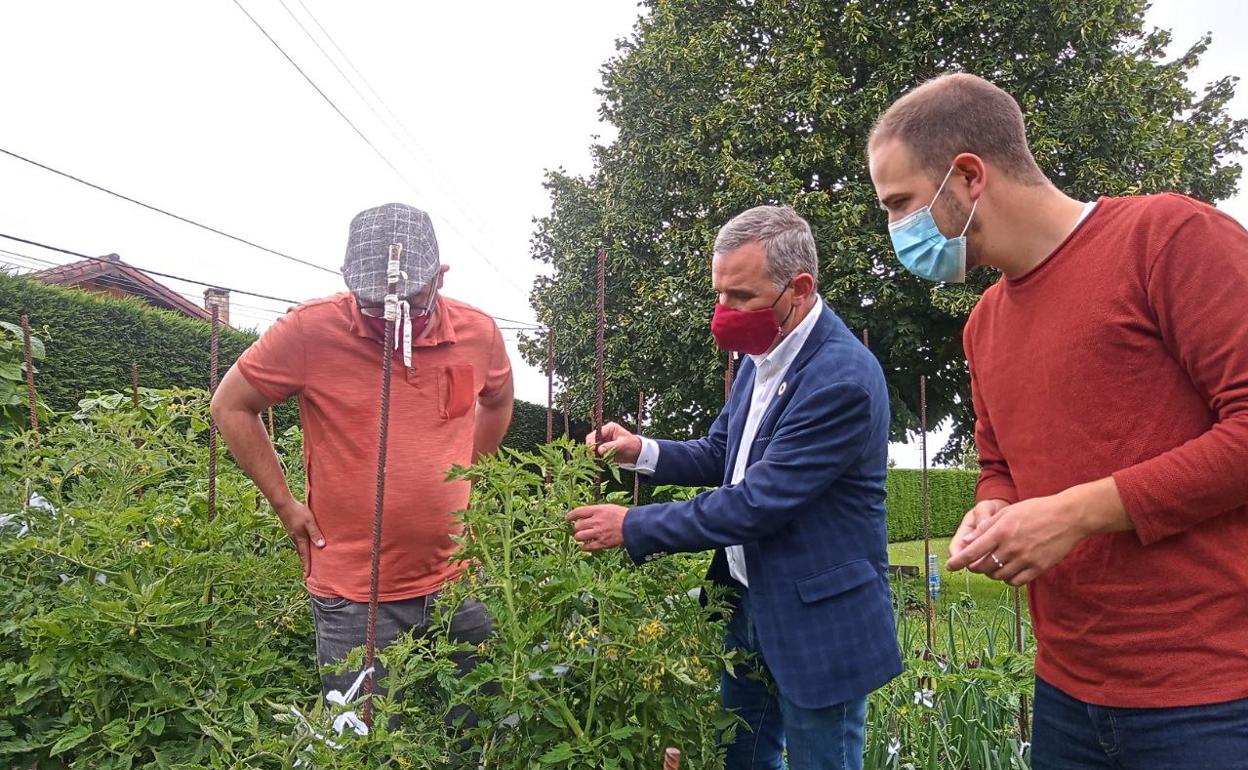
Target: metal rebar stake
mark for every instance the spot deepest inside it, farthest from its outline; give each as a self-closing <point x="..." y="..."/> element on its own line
<point x="28" y="357"/>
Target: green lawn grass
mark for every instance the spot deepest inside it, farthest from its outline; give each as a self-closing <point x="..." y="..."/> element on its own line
<point x="981" y="600"/>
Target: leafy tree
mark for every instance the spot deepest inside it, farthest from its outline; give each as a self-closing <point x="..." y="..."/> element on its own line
<point x="721" y="105"/>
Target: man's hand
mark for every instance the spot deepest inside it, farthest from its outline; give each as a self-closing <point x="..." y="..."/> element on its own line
<point x="616" y="438"/>
<point x="1023" y="540"/>
<point x="598" y="527"/>
<point x="300" y="524"/>
<point x="975" y="521"/>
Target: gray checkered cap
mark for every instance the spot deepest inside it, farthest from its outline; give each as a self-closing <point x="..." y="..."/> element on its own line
<point x="368" y="252"/>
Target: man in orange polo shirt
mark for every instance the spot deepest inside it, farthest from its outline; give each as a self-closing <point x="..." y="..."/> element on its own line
<point x="450" y="402"/>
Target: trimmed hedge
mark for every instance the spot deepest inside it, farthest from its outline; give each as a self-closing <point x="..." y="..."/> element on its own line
<point x="95" y="337"/>
<point x="951" y="494"/>
<point x="528" y="427"/>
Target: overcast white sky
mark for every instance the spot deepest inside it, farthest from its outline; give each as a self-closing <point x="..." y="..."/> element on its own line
<point x="187" y="106"/>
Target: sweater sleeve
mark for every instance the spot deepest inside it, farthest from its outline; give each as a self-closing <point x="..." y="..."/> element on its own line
<point x="995" y="481"/>
<point x="1197" y="288"/>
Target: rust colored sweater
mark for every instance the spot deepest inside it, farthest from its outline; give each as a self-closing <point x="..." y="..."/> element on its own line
<point x="1125" y="354"/>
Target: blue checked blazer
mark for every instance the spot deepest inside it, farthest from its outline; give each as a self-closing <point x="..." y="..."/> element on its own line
<point x="809" y="511"/>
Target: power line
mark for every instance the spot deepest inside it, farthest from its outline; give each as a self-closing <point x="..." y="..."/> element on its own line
<point x="324" y="96"/>
<point x="27" y="257"/>
<point x="171" y="276"/>
<point x="178" y="217"/>
<point x="125" y="282"/>
<point x="32" y="263"/>
<point x="368" y="141"/>
<point x="145" y="270"/>
<point x="412" y="150"/>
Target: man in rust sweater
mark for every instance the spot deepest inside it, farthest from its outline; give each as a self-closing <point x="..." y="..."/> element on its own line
<point x="1109" y="373"/>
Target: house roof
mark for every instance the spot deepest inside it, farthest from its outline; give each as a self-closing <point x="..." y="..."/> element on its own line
<point x="110" y="270"/>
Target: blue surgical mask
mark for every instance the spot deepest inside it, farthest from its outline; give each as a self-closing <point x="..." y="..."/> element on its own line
<point x="924" y="250"/>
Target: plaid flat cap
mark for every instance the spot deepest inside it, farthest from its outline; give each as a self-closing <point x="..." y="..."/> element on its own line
<point x="368" y="252"/>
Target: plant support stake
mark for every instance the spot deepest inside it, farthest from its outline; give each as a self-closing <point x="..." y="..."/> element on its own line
<point x="31" y="396"/>
<point x="927" y="514"/>
<point x="213" y="351"/>
<point x="374" y="581"/>
<point x="1023" y="720"/>
<point x="641" y="414"/>
<point x="600" y="355"/>
<point x="550" y="385"/>
<point x="600" y="349"/>
<point x="134" y="384"/>
<point x="671" y="759"/>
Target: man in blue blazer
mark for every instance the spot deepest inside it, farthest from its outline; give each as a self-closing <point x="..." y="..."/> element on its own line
<point x="799" y="456"/>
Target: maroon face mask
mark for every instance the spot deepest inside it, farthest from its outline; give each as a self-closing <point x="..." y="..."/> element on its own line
<point x="377" y="326"/>
<point x="747" y="331"/>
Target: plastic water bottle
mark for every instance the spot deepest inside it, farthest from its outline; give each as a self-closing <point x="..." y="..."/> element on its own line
<point x="933" y="576"/>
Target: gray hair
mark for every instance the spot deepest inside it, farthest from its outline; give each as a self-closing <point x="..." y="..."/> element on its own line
<point x="785" y="236"/>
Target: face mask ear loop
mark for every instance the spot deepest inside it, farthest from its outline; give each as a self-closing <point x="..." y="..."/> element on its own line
<point x="776" y="301"/>
<point x="941" y="189"/>
<point x="792" y="307"/>
<point x="969" y="218"/>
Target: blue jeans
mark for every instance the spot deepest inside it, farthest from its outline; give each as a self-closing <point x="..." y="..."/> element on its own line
<point x="1072" y="735"/>
<point x="829" y="738"/>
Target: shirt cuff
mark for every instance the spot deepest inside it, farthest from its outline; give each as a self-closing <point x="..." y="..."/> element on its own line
<point x="647" y="459"/>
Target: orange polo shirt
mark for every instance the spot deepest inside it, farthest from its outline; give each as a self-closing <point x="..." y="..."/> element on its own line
<point x="323" y="352"/>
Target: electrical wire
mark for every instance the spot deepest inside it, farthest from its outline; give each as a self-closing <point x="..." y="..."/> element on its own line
<point x="159" y="210"/>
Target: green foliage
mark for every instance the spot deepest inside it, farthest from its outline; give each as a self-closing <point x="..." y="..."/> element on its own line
<point x="959" y="708"/>
<point x="951" y="494"/>
<point x="724" y="105"/>
<point x="137" y="633"/>
<point x="14" y="403"/>
<point x="596" y="663"/>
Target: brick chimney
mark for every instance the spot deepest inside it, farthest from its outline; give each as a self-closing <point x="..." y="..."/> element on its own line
<point x="220" y="299"/>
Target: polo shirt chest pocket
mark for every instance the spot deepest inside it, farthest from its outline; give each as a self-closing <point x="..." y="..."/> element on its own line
<point x="457" y="393"/>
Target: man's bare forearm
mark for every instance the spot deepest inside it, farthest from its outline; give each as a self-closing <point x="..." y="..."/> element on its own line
<point x="492" y="423"/>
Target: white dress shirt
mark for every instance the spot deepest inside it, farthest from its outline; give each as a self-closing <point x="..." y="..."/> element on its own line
<point x="769" y="373"/>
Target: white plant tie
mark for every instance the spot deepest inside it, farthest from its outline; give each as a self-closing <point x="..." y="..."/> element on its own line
<point x="398" y="313"/>
<point x="349" y="718"/>
<point x="406" y="335"/>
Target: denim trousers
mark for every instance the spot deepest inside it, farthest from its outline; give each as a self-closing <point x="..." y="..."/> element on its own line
<point x="831" y="738"/>
<point x="1069" y="734"/>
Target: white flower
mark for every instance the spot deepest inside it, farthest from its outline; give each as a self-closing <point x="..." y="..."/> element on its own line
<point x="894" y="748"/>
<point x="924" y="697"/>
<point x="535" y="676"/>
<point x="559" y="670"/>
